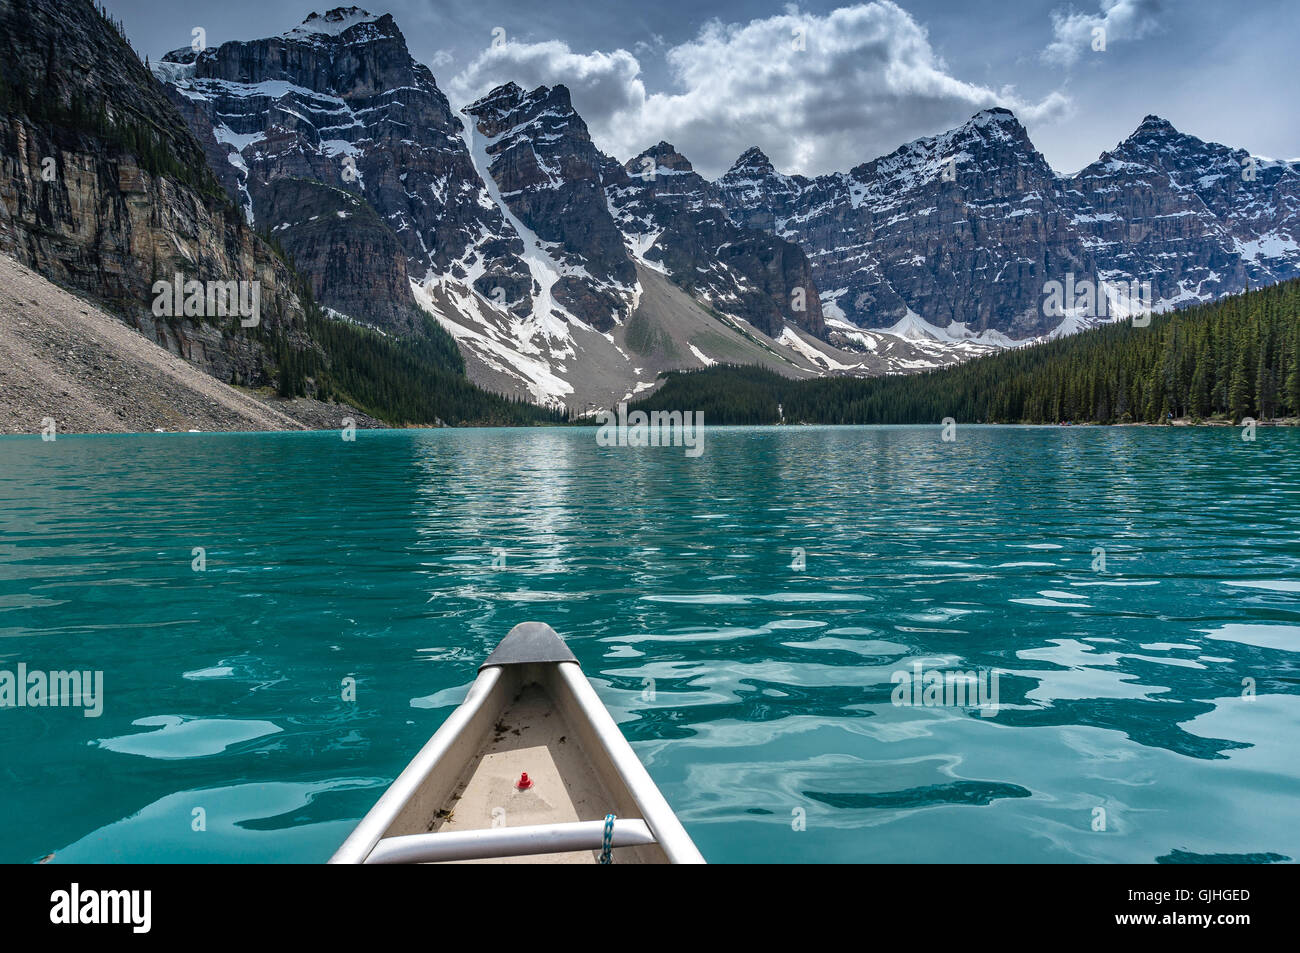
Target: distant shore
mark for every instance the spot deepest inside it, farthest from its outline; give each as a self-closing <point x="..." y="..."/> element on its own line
<point x="306" y="410"/>
<point x="64" y="360"/>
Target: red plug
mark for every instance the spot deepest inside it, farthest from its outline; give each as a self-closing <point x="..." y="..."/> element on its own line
<point x="525" y="782"/>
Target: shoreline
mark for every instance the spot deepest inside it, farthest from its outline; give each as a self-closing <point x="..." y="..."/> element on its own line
<point x="67" y="363"/>
<point x="372" y="424"/>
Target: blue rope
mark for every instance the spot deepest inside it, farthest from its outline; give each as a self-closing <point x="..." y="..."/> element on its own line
<point x="608" y="845"/>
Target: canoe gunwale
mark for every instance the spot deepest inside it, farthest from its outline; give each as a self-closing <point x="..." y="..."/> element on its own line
<point x="531" y="653"/>
<point x="658" y="815"/>
<point x="400" y="794"/>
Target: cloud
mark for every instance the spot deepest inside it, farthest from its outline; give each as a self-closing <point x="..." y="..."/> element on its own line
<point x="816" y="93"/>
<point x="654" y="45"/>
<point x="1076" y="32"/>
<point x="604" y="85"/>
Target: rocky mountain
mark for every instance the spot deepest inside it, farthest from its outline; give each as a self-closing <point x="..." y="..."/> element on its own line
<point x="533" y="248"/>
<point x="104" y="191"/>
<point x="545" y="169"/>
<point x="674" y="220"/>
<point x="1197" y="219"/>
<point x="956" y="237"/>
<point x="333" y="138"/>
<point x="599" y="217"/>
<point x="568" y="276"/>
<point x="959" y="229"/>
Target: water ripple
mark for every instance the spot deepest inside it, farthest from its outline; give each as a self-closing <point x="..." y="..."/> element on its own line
<point x="747" y="616"/>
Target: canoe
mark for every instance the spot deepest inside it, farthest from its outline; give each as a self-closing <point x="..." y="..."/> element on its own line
<point x="528" y="769"/>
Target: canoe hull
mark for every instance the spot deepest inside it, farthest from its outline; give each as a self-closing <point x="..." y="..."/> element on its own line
<point x="522" y="715"/>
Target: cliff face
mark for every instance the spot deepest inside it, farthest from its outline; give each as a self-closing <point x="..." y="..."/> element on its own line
<point x="548" y="173"/>
<point x="353" y="261"/>
<point x="103" y="190"/>
<point x="1197" y="219"/>
<point x="675" y="220"/>
<point x="957" y="235"/>
<point x="338" y="101"/>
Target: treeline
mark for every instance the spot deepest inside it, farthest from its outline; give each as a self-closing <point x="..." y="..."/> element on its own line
<point x="1234" y="358"/>
<point x="417" y="379"/>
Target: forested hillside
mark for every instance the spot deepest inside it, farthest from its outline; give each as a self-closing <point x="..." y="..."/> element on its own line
<point x="419" y="379"/>
<point x="1234" y="358"/>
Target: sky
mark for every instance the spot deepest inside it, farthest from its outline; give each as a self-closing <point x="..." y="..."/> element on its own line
<point x="825" y="86"/>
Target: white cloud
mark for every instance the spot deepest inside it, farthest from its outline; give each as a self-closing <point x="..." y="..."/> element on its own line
<point x="1076" y="32"/>
<point x="654" y="45"/>
<point x="604" y="85"/>
<point x="816" y="93"/>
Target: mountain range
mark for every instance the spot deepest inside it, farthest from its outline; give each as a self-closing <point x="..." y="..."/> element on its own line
<point x="568" y="277"/>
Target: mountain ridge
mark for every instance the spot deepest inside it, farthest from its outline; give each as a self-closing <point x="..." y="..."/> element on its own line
<point x="514" y="227"/>
<point x="849" y="225"/>
<point x="106" y="192"/>
<point x="535" y="255"/>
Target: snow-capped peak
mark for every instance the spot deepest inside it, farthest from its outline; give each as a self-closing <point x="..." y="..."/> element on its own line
<point x="995" y="123"/>
<point x="664" y="156"/>
<point x="332" y="23"/>
<point x="993" y="114"/>
<point x="1154" y="123"/>
<point x="752" y="160"/>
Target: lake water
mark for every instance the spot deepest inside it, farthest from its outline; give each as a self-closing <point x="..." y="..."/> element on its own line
<point x="1136" y="593"/>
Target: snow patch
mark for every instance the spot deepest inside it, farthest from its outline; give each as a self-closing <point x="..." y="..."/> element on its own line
<point x="701" y="356"/>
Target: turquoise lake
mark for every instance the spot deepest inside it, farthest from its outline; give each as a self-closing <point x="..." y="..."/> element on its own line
<point x="1135" y="590"/>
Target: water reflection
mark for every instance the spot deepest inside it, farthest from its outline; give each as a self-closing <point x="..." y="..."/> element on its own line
<point x="1161" y="689"/>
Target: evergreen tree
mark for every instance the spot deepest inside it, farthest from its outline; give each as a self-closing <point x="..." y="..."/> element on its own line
<point x="1293" y="372"/>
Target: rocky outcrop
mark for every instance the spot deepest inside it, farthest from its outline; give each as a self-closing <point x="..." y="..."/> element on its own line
<point x="103" y="190"/>
<point x="549" y="174"/>
<point x="959" y="234"/>
<point x="352" y="260"/>
<point x="675" y="220"/>
<point x="339" y="101"/>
